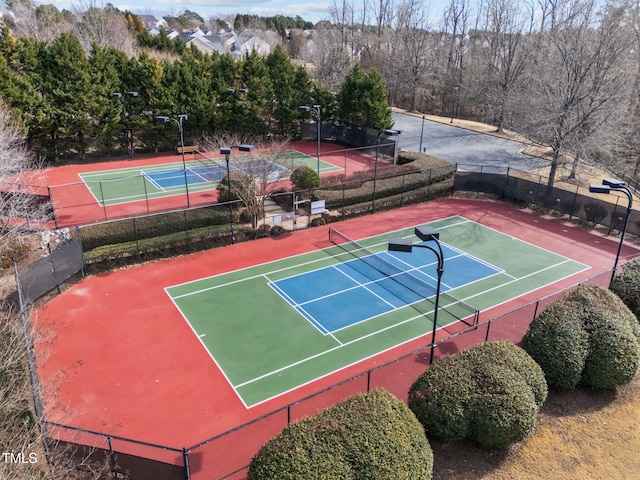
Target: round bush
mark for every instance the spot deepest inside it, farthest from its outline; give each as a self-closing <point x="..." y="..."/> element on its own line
<point x="303" y="178"/>
<point x="490" y="393"/>
<point x="371" y="435"/>
<point x="587" y="337"/>
<point x="627" y="286"/>
<point x="560" y="347"/>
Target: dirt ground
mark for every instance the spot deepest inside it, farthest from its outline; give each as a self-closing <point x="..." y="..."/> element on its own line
<point x="581" y="434"/>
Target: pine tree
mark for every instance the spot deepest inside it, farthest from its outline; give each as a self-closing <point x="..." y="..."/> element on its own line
<point x="362" y="100"/>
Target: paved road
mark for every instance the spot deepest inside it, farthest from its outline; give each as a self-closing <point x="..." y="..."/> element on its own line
<point x="470" y="150"/>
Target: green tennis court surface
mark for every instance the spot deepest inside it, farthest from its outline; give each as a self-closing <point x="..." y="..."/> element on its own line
<point x="274" y="327"/>
<point x="116" y="186"/>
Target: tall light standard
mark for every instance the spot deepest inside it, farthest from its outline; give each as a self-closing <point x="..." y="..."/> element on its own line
<point x="179" y="120"/>
<point x="316" y="110"/>
<point x="609" y="185"/>
<point x="422" y="131"/>
<point x="375" y="166"/>
<point x="127" y="131"/>
<point x="226" y="151"/>
<point x="426" y="234"/>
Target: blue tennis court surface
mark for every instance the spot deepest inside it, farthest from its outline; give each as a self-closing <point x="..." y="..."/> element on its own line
<point x="210" y="173"/>
<point x="357" y="290"/>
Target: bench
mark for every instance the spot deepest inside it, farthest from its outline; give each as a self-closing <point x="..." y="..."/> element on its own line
<point x="187" y="149"/>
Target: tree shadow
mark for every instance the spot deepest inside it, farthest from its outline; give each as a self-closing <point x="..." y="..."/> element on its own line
<point x="465" y="459"/>
<point x="564" y="403"/>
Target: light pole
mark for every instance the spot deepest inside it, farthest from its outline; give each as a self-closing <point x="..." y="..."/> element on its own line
<point x="316" y="110"/>
<point x="127" y="132"/>
<point x="181" y="118"/>
<point x="609" y="185"/>
<point x="375" y="165"/>
<point x="226" y="151"/>
<point x="426" y="234"/>
<point x="422" y="131"/>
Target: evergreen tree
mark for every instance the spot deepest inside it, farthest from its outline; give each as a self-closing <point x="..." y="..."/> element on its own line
<point x="66" y="81"/>
<point x="107" y="113"/>
<point x="289" y="85"/>
<point x="249" y="114"/>
<point x="362" y="100"/>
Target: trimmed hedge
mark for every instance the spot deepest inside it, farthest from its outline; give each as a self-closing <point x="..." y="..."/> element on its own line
<point x="627" y="286"/>
<point x="490" y="393"/>
<point x="587" y="337"/>
<point x="367" y="436"/>
<point x="304" y="177"/>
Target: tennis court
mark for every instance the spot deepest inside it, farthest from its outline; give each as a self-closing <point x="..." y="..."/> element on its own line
<point x="273" y="327"/>
<point x="198" y="174"/>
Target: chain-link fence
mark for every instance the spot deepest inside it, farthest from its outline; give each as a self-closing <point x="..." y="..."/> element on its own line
<point x="576" y="202"/>
<point x="228" y="455"/>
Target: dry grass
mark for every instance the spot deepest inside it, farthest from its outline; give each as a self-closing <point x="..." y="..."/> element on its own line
<point x="582" y="434"/>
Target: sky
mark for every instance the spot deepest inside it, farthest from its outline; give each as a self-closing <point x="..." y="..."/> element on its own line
<point x="310" y="10"/>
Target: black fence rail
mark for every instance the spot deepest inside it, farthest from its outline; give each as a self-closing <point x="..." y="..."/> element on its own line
<point x="523" y="187"/>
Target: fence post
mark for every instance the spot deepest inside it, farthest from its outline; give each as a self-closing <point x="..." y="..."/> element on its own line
<point x="104" y="204"/>
<point x="575" y="199"/>
<point x="506" y="184"/>
<point x="146" y="195"/>
<point x="613" y="216"/>
<point x="53" y="210"/>
<point x="112" y="455"/>
<point x="135" y="234"/>
<point x="185" y="461"/>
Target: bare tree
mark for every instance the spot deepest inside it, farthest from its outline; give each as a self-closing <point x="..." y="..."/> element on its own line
<point x="332" y="62"/>
<point x="411" y="54"/>
<point x="502" y="40"/>
<point x="578" y="76"/>
<point x="253" y="177"/>
<point x="43" y="22"/>
<point x="104" y="26"/>
<point x="455" y="26"/>
<point x="22" y="206"/>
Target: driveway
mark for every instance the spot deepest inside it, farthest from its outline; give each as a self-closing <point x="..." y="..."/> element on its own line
<point x="470" y="150"/>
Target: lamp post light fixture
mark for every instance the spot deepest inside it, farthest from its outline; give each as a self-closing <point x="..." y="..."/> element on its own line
<point x="128" y="140"/>
<point x="179" y="120"/>
<point x="375" y="165"/>
<point x="226" y="151"/>
<point x="426" y="234"/>
<point x="424" y="114"/>
<point x="613" y="185"/>
<point x="316" y="110"/>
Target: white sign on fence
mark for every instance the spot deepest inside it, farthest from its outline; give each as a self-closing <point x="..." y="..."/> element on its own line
<point x="318" y="207"/>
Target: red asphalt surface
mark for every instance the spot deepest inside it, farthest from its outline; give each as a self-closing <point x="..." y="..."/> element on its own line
<point x="115" y="355"/>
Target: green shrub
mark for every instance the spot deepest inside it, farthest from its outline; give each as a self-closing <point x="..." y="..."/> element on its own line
<point x="277" y="231"/>
<point x="304" y="177"/>
<point x="490" y="393"/>
<point x="627" y="286"/>
<point x="368" y="436"/>
<point x="587" y="337"/>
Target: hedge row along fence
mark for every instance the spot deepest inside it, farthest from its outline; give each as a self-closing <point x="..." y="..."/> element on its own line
<point x="164" y="234"/>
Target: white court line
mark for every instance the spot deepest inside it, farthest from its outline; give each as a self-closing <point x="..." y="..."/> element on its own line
<point x="151" y="180"/>
<point x="393" y="326"/>
<point x="363" y="337"/>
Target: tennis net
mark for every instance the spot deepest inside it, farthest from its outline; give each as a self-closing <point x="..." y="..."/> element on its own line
<point x="456" y="308"/>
